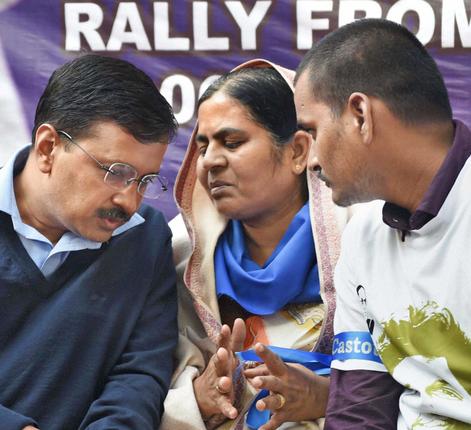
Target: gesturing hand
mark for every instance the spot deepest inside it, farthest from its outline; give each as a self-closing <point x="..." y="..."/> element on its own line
<point x="296" y="393"/>
<point x="214" y="389"/>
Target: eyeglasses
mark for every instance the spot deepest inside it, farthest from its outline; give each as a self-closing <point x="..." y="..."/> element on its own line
<point x="121" y="175"/>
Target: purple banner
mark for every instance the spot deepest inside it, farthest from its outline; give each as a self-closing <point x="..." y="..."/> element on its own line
<point x="184" y="44"/>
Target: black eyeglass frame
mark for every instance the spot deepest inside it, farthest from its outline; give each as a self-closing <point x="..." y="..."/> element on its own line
<point x="109" y="170"/>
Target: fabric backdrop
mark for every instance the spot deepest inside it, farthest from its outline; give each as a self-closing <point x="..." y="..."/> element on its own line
<point x="183" y="44"/>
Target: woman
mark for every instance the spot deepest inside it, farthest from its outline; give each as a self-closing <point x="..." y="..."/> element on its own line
<point x="253" y="271"/>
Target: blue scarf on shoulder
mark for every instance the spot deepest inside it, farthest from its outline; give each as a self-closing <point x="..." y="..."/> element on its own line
<point x="290" y="275"/>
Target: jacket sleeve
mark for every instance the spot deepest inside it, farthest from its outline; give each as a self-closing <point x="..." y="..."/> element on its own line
<point x="350" y="316"/>
<point x="362" y="399"/>
<point x="136" y="387"/>
<point x="12" y="420"/>
<point x="362" y="393"/>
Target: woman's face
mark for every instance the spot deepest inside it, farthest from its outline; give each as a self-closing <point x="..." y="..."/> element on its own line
<point x="237" y="164"/>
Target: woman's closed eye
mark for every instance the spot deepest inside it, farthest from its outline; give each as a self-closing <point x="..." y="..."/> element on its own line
<point x="202" y="149"/>
<point x="232" y="144"/>
<point x="229" y="144"/>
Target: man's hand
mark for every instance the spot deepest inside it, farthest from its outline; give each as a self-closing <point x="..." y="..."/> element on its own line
<point x="214" y="389"/>
<point x="296" y="393"/>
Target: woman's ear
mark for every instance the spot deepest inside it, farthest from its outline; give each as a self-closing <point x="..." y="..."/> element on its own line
<point x="300" y="146"/>
<point x="360" y="108"/>
<point x="46" y="140"/>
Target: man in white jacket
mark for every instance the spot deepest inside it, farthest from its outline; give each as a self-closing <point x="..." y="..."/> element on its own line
<point x="378" y="110"/>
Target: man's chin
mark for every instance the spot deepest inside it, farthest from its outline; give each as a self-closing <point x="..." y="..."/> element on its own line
<point x="341" y="203"/>
<point x="342" y="200"/>
<point x="97" y="236"/>
<point x="345" y="200"/>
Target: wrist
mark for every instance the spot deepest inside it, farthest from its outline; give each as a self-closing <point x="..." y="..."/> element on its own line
<point x="319" y="393"/>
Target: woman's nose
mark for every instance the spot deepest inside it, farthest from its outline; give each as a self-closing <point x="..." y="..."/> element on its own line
<point x="213" y="157"/>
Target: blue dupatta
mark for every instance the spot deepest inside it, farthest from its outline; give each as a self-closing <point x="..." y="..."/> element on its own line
<point x="290" y="275"/>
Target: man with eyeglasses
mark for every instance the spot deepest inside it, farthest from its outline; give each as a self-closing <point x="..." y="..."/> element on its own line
<point x="87" y="284"/>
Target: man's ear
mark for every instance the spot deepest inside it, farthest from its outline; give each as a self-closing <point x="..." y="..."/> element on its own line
<point x="300" y="145"/>
<point x="359" y="106"/>
<point x="46" y="142"/>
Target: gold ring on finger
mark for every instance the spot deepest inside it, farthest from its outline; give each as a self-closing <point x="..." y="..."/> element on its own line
<point x="281" y="399"/>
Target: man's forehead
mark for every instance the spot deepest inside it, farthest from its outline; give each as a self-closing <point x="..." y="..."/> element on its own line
<point x="303" y="94"/>
<point x="112" y="143"/>
<point x="304" y="101"/>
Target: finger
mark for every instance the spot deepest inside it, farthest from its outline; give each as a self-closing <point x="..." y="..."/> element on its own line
<point x="238" y="335"/>
<point x="273" y="423"/>
<point x="226" y="407"/>
<point x="275" y="364"/>
<point x="261" y="370"/>
<point x="270" y="382"/>
<point x="224" y="339"/>
<point x="224" y="385"/>
<point x="222" y="363"/>
<point x="274" y="402"/>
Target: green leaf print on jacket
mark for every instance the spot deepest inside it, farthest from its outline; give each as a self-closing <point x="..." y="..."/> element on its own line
<point x="422" y="422"/>
<point x="441" y="388"/>
<point x="430" y="335"/>
<point x="431" y="332"/>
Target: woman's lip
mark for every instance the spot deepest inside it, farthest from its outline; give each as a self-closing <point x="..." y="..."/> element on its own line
<point x="217" y="184"/>
<point x="217" y="189"/>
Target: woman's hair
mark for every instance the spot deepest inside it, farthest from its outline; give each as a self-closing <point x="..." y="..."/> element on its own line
<point x="266" y="96"/>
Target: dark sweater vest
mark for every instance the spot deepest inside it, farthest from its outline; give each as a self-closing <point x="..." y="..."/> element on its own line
<point x="91" y="346"/>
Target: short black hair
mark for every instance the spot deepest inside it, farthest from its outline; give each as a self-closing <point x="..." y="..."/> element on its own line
<point x="265" y="94"/>
<point x="94" y="88"/>
<point x="381" y="59"/>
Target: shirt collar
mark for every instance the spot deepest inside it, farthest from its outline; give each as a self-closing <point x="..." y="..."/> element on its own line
<point x="400" y="218"/>
<point x="8" y="204"/>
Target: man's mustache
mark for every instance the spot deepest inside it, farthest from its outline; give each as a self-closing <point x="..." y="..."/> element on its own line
<point x="114" y="213"/>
